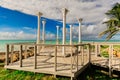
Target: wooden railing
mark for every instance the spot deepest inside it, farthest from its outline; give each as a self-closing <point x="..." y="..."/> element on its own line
<point x="84" y="49"/>
<point x="112" y="59"/>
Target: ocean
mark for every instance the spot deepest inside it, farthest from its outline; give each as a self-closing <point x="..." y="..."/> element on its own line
<point x="4" y="42"/>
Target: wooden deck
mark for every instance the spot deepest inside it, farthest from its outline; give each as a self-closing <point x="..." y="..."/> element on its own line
<point x="50" y="59"/>
<point x="45" y="64"/>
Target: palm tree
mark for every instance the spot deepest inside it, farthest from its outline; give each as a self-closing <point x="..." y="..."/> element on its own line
<point x="113" y="24"/>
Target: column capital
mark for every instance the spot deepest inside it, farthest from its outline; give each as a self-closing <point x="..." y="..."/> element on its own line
<point x="43" y="21"/>
<point x="80" y="20"/>
<point x="39" y="14"/>
<point x="70" y="25"/>
<point x="57" y="26"/>
<point x="65" y="11"/>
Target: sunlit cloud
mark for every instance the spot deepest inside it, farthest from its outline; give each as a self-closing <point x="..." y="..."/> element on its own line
<point x="92" y="11"/>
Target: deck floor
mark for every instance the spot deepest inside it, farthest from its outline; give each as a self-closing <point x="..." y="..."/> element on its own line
<point x="104" y="62"/>
<point x="45" y="64"/>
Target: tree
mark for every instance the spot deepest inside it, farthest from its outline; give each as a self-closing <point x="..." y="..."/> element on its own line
<point x="113" y="24"/>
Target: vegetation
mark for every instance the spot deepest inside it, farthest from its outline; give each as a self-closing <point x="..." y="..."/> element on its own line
<point x="113" y="24"/>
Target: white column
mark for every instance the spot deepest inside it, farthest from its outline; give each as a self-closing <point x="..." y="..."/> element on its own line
<point x="43" y="32"/>
<point x="38" y="32"/>
<point x="80" y="31"/>
<point x="57" y="38"/>
<point x="70" y="34"/>
<point x="64" y="11"/>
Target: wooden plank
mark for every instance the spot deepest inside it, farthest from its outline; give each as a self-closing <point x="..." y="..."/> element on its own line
<point x="82" y="56"/>
<point x="77" y="59"/>
<point x="7" y="54"/>
<point x="12" y="50"/>
<point x="55" y="64"/>
<point x="96" y="50"/>
<point x="110" y="54"/>
<point x="35" y="57"/>
<point x="71" y="64"/>
<point x="25" y="54"/>
<point x="20" y="56"/>
<point x="89" y="52"/>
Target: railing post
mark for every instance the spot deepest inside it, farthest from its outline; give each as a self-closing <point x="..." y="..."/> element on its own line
<point x="77" y="59"/>
<point x="12" y="49"/>
<point x="20" y="56"/>
<point x="55" y="63"/>
<point x="82" y="56"/>
<point x="96" y="50"/>
<point x="35" y="56"/>
<point x="99" y="48"/>
<point x="7" y="54"/>
<point x="25" y="54"/>
<point x="71" y="63"/>
<point x="89" y="53"/>
<point x="110" y="56"/>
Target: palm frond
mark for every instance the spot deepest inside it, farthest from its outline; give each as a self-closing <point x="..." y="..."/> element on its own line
<point x="110" y="35"/>
<point x="103" y="33"/>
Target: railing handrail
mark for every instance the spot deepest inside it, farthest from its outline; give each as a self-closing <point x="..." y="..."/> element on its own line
<point x="81" y="44"/>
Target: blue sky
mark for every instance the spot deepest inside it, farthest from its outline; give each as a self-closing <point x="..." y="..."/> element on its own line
<point x="18" y="19"/>
<point x="15" y="21"/>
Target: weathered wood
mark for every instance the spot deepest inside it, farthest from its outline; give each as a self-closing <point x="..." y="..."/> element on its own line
<point x="77" y="59"/>
<point x="25" y="54"/>
<point x="71" y="64"/>
<point x="99" y="48"/>
<point x="110" y="56"/>
<point x="12" y="50"/>
<point x="20" y="56"/>
<point x="71" y="78"/>
<point x="89" y="53"/>
<point x="7" y="54"/>
<point x="55" y="61"/>
<point x="96" y="50"/>
<point x="35" y="57"/>
<point x="82" y="56"/>
<point x="55" y="64"/>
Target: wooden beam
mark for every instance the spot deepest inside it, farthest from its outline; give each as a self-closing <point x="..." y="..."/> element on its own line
<point x="77" y="59"/>
<point x="35" y="57"/>
<point x="25" y="54"/>
<point x="7" y="54"/>
<point x="55" y="64"/>
<point x="89" y="53"/>
<point x="11" y="55"/>
<point x="96" y="50"/>
<point x="110" y="56"/>
<point x="20" y="56"/>
<point x="82" y="56"/>
<point x="71" y="64"/>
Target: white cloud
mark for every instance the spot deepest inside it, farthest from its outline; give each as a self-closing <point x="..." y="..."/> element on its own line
<point x="21" y="35"/>
<point x="16" y="35"/>
<point x="92" y="11"/>
<point x="29" y="29"/>
<point x="50" y="36"/>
